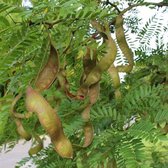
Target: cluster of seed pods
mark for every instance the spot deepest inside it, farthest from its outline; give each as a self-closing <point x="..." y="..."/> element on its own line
<point x="47" y="116"/>
<point x="93" y="94"/>
<point x="89" y="87"/>
<point x="93" y="70"/>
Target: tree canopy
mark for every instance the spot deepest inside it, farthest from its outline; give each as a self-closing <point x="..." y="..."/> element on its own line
<point x="61" y="69"/>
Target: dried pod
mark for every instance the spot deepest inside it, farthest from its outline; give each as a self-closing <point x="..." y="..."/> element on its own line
<point x="103" y="65"/>
<point x="88" y="134"/>
<point x="63" y="146"/>
<point x="50" y="122"/>
<point x="86" y="113"/>
<point x="34" y="150"/>
<point x="122" y="43"/>
<point x="88" y="128"/>
<point x="93" y="94"/>
<point x="20" y="129"/>
<point x="88" y="65"/>
<point x="48" y="74"/>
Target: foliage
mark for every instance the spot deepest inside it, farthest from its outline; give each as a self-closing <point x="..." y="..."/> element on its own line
<point x="25" y="34"/>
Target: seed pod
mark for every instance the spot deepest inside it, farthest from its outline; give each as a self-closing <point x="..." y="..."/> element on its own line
<point x="48" y="74"/>
<point x="63" y="82"/>
<point x="49" y="121"/>
<point x="34" y="150"/>
<point x="103" y="65"/>
<point x="88" y="65"/>
<point x="113" y="72"/>
<point x="88" y="127"/>
<point x="20" y="129"/>
<point x="63" y="146"/>
<point x="88" y="134"/>
<point x="93" y="94"/>
<point x="122" y="43"/>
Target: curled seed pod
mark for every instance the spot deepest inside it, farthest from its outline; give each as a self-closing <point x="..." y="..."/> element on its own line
<point x="63" y="82"/>
<point x="86" y="113"/>
<point x="121" y="40"/>
<point x="20" y="129"/>
<point x="88" y="65"/>
<point x="34" y="150"/>
<point x="50" y="122"/>
<point x="23" y="116"/>
<point x="88" y="127"/>
<point x="88" y="134"/>
<point x="103" y="65"/>
<point x="48" y="74"/>
<point x="93" y="94"/>
<point x="113" y="72"/>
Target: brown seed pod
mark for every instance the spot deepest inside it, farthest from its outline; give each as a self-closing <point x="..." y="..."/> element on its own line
<point x="48" y="74"/>
<point x="49" y="121"/>
<point x="122" y="43"/>
<point x="88" y="134"/>
<point x="103" y="65"/>
<point x="34" y="150"/>
<point x="88" y="127"/>
<point x="88" y="65"/>
<point x="93" y="94"/>
<point x="20" y="129"/>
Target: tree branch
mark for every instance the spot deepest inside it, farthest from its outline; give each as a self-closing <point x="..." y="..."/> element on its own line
<point x="160" y="4"/>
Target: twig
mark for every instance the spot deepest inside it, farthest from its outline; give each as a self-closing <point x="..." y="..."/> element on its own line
<point x="50" y="24"/>
<point x="113" y="5"/>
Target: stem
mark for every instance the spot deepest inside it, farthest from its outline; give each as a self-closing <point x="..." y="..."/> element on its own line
<point x="113" y="5"/>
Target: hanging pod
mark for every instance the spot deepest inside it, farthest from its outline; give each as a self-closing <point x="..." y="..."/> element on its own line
<point x="49" y="72"/>
<point x="103" y="65"/>
<point x="88" y="65"/>
<point x="34" y="150"/>
<point x="88" y="134"/>
<point x="20" y="129"/>
<point x="49" y="121"/>
<point x="123" y="45"/>
<point x="93" y="93"/>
